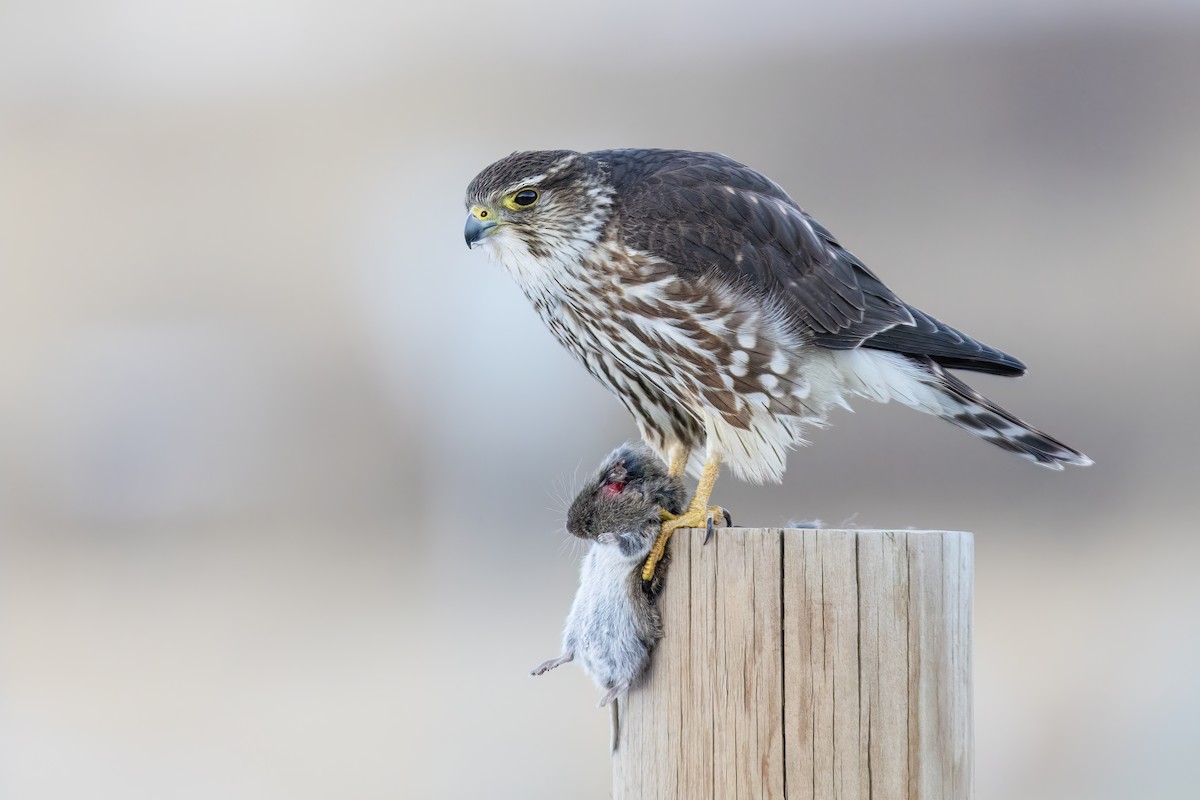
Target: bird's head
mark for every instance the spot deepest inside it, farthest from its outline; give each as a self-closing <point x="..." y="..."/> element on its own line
<point x="546" y="204"/>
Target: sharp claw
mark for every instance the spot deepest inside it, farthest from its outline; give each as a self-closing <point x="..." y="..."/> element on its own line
<point x="708" y="530"/>
<point x="728" y="517"/>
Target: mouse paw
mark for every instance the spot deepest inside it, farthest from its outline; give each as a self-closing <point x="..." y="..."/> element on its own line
<point x="614" y="693"/>
<point x="546" y="666"/>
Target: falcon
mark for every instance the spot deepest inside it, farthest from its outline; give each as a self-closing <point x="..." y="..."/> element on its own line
<point x="723" y="316"/>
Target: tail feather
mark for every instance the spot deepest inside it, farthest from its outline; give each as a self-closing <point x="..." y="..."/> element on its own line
<point x="971" y="411"/>
<point x="921" y="382"/>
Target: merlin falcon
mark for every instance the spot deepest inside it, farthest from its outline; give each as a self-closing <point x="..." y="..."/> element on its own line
<point x="722" y="315"/>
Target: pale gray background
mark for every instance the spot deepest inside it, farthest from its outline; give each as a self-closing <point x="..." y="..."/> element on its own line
<point x="283" y="465"/>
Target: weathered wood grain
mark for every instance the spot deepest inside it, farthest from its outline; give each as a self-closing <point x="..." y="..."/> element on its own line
<point x="807" y="664"/>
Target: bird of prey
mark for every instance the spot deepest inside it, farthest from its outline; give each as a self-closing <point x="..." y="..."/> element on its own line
<point x="722" y="315"/>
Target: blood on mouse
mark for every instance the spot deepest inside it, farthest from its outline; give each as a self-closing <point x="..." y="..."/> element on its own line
<point x="614" y="621"/>
<point x="613" y="489"/>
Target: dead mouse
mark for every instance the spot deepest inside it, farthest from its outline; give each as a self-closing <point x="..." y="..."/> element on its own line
<point x="614" y="621"/>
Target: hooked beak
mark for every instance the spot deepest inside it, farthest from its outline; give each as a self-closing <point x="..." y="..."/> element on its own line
<point x="476" y="230"/>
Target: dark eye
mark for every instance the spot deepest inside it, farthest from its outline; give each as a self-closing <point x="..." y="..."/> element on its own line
<point x="525" y="197"/>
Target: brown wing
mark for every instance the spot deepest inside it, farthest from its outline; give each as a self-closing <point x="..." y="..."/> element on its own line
<point x="708" y="215"/>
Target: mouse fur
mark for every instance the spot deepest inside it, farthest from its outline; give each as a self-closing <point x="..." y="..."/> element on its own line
<point x="614" y="621"/>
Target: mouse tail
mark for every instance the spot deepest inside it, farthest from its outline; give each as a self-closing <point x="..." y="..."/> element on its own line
<point x="614" y="725"/>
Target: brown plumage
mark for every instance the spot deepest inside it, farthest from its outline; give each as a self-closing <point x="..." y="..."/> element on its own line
<point x="720" y="313"/>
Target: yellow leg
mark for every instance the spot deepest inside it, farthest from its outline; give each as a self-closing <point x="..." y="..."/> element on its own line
<point x="695" y="516"/>
<point x="679" y="460"/>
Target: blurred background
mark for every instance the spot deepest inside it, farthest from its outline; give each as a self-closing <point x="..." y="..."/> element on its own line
<point x="283" y="466"/>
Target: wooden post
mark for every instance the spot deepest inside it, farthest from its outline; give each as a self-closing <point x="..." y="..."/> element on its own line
<point x="807" y="664"/>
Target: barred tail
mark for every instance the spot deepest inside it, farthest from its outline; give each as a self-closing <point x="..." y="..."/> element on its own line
<point x="971" y="411"/>
<point x="921" y="383"/>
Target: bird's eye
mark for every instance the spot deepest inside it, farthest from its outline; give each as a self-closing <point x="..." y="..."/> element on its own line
<point x="522" y="199"/>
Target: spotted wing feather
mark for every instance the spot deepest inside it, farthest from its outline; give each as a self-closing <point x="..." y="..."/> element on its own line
<point x="708" y="215"/>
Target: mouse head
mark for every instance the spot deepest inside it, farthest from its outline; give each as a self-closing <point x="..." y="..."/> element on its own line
<point x="632" y="486"/>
